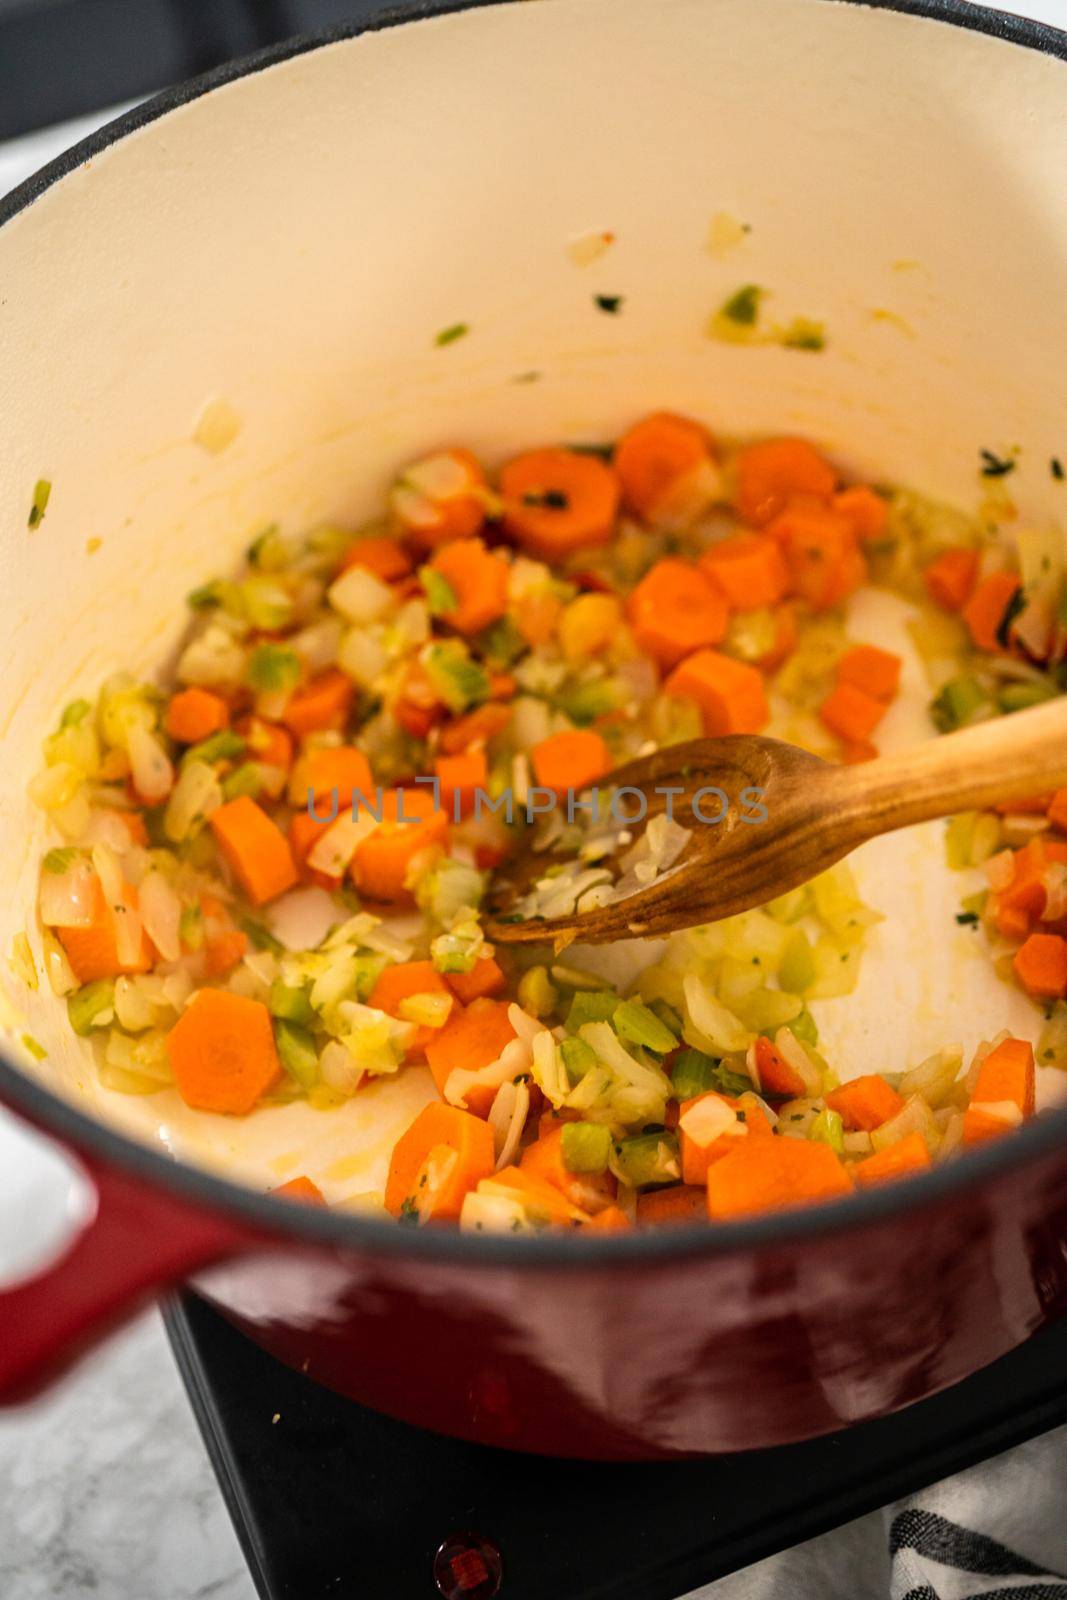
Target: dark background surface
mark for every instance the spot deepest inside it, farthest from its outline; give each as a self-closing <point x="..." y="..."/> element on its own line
<point x="64" y="58"/>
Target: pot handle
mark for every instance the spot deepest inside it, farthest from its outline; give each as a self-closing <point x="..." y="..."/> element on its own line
<point x="138" y="1240"/>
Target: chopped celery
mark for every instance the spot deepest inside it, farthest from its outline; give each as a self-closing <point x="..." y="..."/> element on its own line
<point x="191" y="927"/>
<point x="247" y="779"/>
<point x="667" y="1015"/>
<point x="647" y="1158"/>
<point x="959" y="831"/>
<point x="440" y="595"/>
<point x="501" y="643"/>
<point x="91" y="1006"/>
<point x="291" y="1004"/>
<point x="985" y="840"/>
<point x="584" y="702"/>
<point x="837" y="969"/>
<point x="767" y="1010"/>
<point x="578" y="1058"/>
<point x="75" y="714"/>
<point x="803" y="1028"/>
<point x="585" y="1147"/>
<point x="261" y="936"/>
<point x="61" y="859"/>
<point x="639" y="1024"/>
<point x="574" y="978"/>
<point x="221" y="746"/>
<point x="693" y="1073"/>
<point x="724" y="1081"/>
<point x="1019" y="696"/>
<point x="587" y="1006"/>
<point x="296" y="1052"/>
<point x="273" y="668"/>
<point x="266" y="603"/>
<point x="828" y="1128"/>
<point x="42" y="491"/>
<point x="459" y="680"/>
<point x="270" y="551"/>
<point x="797" y="968"/>
<point x="956" y="704"/>
<point x="536" y="992"/>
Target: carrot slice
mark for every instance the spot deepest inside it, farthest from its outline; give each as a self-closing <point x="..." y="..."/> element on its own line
<point x="471" y="1039"/>
<point x="440" y="1197"/>
<point x="683" y="1202"/>
<point x="537" y="617"/>
<point x="266" y="742"/>
<point x="460" y="778"/>
<point x="544" y="1159"/>
<point x="896" y="1161"/>
<point x="410" y="823"/>
<point x="570" y="760"/>
<point x="477" y="578"/>
<point x="558" y="501"/>
<point x="319" y="772"/>
<point x="950" y="579"/>
<point x="379" y="554"/>
<point x="772" y="472"/>
<point x="323" y="703"/>
<point x="301" y="1188"/>
<point x="474" y="731"/>
<point x="483" y="980"/>
<point x="865" y="1103"/>
<point x="611" y="1220"/>
<point x="255" y="848"/>
<point x="851" y="714"/>
<point x="222" y="1052"/>
<point x="304" y="834"/>
<point x="1007" y="1074"/>
<point x="866" y="510"/>
<point x="676" y="609"/>
<point x="876" y="672"/>
<point x="224" y="952"/>
<point x="987" y="607"/>
<point x="657" y="458"/>
<point x="853" y="751"/>
<point x="399" y="983"/>
<point x="433" y="520"/>
<point x="93" y="951"/>
<point x="195" y="714"/>
<point x="772" y="1175"/>
<point x="776" y="1076"/>
<point x="1057" y="810"/>
<point x="820" y="551"/>
<point x="750" y="570"/>
<point x="1041" y="966"/>
<point x="729" y="693"/>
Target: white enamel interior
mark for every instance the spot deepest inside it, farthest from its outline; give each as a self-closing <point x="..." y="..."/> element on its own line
<point x="293" y="241"/>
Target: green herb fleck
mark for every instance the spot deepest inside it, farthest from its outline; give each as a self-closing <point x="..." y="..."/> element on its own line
<point x="41" y="491"/>
<point x="61" y="860"/>
<point x="604" y="451"/>
<point x="409" y="1213"/>
<point x="1016" y="604"/>
<point x="260" y="936"/>
<point x="75" y="714"/>
<point x="804" y="334"/>
<point x="552" y="499"/>
<point x="967" y="919"/>
<point x="440" y="595"/>
<point x="611" y="304"/>
<point x="458" y="330"/>
<point x="34" y="1046"/>
<point x="527" y="377"/>
<point x="274" y="667"/>
<point x="994" y="466"/>
<point x="743" y="306"/>
<point x="1056" y="468"/>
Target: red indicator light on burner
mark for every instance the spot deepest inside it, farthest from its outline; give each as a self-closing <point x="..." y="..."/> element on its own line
<point x="467" y="1567"/>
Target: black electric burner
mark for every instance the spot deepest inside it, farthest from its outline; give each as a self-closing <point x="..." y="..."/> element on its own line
<point x="331" y="1500"/>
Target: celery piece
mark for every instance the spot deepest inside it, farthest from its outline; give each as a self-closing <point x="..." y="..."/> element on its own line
<point x="803" y="1028"/>
<point x="296" y="1052"/>
<point x="574" y="978"/>
<point x="1020" y="696"/>
<point x="266" y="603"/>
<point x="270" y="551"/>
<point x="191" y="927"/>
<point x="587" y="1006"/>
<point x="75" y="714"/>
<point x="42" y="490"/>
<point x="261" y="936"/>
<point x="291" y="1004"/>
<point x="640" y="1025"/>
<point x="61" y="859"/>
<point x="973" y="905"/>
<point x="221" y="746"/>
<point x="92" y="1005"/>
<point x="797" y="967"/>
<point x="273" y="668"/>
<point x="246" y="779"/>
<point x="501" y="643"/>
<point x="959" y="832"/>
<point x="578" y="1058"/>
<point x="647" y="1158"/>
<point x="693" y="1073"/>
<point x="440" y="595"/>
<point x="767" y="1010"/>
<point x="956" y="704"/>
<point x="219" y="592"/>
<point x="584" y="702"/>
<point x="537" y="994"/>
<point x="743" y="305"/>
<point x="828" y="1128"/>
<point x="459" y="680"/>
<point x="586" y="1146"/>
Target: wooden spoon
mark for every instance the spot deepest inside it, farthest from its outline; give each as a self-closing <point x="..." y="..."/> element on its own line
<point x="816" y="813"/>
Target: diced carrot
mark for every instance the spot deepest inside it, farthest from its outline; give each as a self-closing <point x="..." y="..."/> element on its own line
<point x="437" y="1187"/>
<point x="417" y="707"/>
<point x="558" y="501"/>
<point x="474" y="730"/>
<point x="301" y="1188"/>
<point x="1025" y="897"/>
<point x="1057" y="810"/>
<point x="978" y="1126"/>
<point x="875" y="671"/>
<point x="750" y="570"/>
<point x="429" y="523"/>
<point x="655" y="458"/>
<point x="682" y="1202"/>
<point x="502" y="686"/>
<point x="93" y="951"/>
<point x="570" y="760"/>
<point x="853" y="751"/>
<point x="255" y="848"/>
<point x="471" y="1039"/>
<point x="266" y="742"/>
<point x="410" y="823"/>
<point x="1034" y="805"/>
<point x="1007" y="1075"/>
<point x="865" y="509"/>
<point x="222" y="1052"/>
<point x="460" y="777"/>
<point x="544" y="1159"/>
<point x="399" y="983"/>
<point x="730" y="693"/>
<point x="895" y="1161"/>
<point x="776" y="1076"/>
<point x="322" y="703"/>
<point x="987" y="607"/>
<point x="851" y="714"/>
<point x="477" y="578"/>
<point x="610" y="1220"/>
<point x="483" y="980"/>
<point x="1041" y="966"/>
<point x="772" y="1175"/>
<point x="825" y="566"/>
<point x="701" y="1148"/>
<point x="379" y="554"/>
<point x="676" y="609"/>
<point x="195" y="714"/>
<point x="865" y="1103"/>
<point x="546" y="1202"/>
<point x="537" y="616"/>
<point x="773" y="472"/>
<point x="304" y="834"/>
<point x="226" y="951"/>
<point x="320" y="771"/>
<point x="951" y="577"/>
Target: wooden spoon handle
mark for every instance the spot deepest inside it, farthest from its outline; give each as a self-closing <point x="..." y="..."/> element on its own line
<point x="1007" y="758"/>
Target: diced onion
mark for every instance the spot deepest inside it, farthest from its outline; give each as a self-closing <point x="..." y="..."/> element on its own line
<point x="360" y="597"/>
<point x="66" y="899"/>
<point x="161" y="913"/>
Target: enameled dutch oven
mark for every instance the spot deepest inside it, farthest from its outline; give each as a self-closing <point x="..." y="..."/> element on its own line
<point x="280" y="242"/>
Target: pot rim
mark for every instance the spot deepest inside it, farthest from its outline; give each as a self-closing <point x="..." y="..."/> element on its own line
<point x="52" y="1113"/>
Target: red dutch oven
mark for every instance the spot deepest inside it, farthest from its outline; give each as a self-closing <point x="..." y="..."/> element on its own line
<point x="223" y="308"/>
